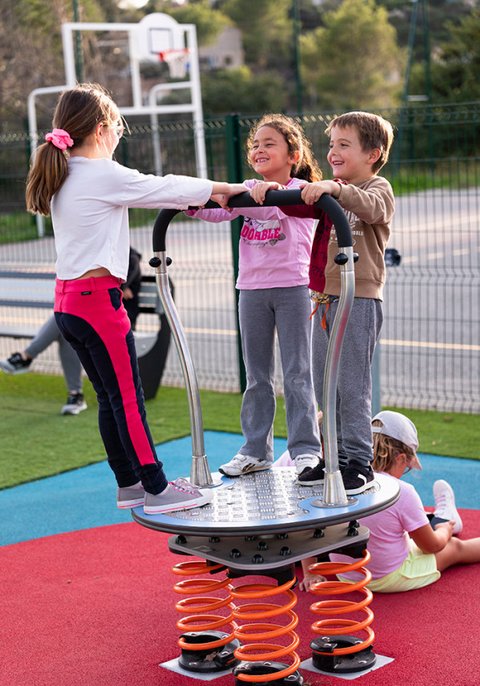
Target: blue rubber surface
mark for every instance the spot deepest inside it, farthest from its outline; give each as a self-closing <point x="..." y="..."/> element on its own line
<point x="85" y="498"/>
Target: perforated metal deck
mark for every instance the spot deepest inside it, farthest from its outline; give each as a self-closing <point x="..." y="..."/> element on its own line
<point x="269" y="502"/>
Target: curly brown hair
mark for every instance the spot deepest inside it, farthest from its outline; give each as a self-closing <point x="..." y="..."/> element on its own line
<point x="307" y="167"/>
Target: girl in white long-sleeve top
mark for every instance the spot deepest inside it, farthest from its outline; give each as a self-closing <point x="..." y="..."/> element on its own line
<point x="74" y="178"/>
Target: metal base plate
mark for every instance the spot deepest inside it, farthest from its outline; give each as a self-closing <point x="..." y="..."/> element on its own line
<point x="268" y="551"/>
<point x="269" y="502"/>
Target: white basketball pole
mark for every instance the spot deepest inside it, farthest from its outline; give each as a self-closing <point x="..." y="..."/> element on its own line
<point x="139" y="107"/>
<point x="197" y="101"/>
<point x="33" y="134"/>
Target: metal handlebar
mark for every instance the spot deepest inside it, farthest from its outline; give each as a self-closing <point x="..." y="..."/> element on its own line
<point x="326" y="204"/>
<point x="334" y="492"/>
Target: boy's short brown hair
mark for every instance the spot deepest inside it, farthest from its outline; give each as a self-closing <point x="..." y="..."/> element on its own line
<point x="373" y="131"/>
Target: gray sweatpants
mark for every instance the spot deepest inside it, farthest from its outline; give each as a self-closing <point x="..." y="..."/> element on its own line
<point x="288" y="311"/>
<point x="72" y="369"/>
<point x="354" y="391"/>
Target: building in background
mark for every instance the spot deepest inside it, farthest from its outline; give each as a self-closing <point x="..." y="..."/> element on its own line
<point x="226" y="53"/>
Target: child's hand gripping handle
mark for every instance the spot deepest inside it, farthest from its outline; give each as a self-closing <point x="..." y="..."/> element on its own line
<point x="283" y="198"/>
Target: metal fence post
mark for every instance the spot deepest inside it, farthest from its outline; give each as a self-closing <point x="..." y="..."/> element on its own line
<point x="392" y="259"/>
<point x="235" y="175"/>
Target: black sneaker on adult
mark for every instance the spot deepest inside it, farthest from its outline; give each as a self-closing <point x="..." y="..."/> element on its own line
<point x="75" y="404"/>
<point x="15" y="364"/>
<point x="357" y="479"/>
<point x="311" y="476"/>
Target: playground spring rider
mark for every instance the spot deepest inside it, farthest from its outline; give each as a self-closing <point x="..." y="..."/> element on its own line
<point x="263" y="523"/>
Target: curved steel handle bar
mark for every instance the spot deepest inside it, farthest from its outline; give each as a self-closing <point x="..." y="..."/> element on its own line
<point x="334" y="491"/>
<point x="273" y="198"/>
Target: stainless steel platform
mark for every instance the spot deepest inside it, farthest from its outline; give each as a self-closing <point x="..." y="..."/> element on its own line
<point x="269" y="502"/>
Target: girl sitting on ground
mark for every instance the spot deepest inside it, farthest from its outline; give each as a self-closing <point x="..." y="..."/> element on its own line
<point x="409" y="549"/>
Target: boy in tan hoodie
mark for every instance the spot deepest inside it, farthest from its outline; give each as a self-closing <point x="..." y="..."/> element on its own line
<point x="359" y="147"/>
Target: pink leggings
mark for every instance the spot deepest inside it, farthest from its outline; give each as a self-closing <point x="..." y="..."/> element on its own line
<point x="91" y="316"/>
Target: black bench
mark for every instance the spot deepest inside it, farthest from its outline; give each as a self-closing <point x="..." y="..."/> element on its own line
<point x="152" y="348"/>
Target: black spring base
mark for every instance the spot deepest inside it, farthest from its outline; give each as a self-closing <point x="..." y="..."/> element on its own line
<point x="213" y="660"/>
<point x="259" y="668"/>
<point x="340" y="664"/>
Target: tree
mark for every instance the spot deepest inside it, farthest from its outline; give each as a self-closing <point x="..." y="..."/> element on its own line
<point x="31" y="52"/>
<point x="208" y="22"/>
<point x="456" y="63"/>
<point x="437" y="15"/>
<point x="353" y="62"/>
<point x="239" y="91"/>
<point x="266" y="28"/>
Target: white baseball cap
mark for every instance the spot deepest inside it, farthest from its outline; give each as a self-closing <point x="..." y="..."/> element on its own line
<point x="400" y="428"/>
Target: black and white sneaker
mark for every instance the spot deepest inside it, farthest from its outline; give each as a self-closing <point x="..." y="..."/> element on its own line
<point x="311" y="476"/>
<point x="305" y="460"/>
<point x="75" y="404"/>
<point x="357" y="479"/>
<point x="15" y="364"/>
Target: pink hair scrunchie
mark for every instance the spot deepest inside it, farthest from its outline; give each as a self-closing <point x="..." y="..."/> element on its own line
<point x="60" y="139"/>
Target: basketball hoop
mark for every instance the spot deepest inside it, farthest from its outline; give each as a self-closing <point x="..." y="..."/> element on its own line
<point x="176" y="60"/>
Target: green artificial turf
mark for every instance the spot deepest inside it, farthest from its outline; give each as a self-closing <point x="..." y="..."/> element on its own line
<point x="36" y="441"/>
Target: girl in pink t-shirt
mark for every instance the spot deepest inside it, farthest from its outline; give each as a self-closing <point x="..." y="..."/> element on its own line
<point x="273" y="283"/>
<point x="409" y="550"/>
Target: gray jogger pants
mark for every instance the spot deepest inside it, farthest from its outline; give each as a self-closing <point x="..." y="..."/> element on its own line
<point x="354" y="391"/>
<point x="286" y="310"/>
<point x="72" y="369"/>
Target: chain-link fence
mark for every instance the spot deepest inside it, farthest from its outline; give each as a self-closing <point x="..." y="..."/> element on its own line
<point x="430" y="344"/>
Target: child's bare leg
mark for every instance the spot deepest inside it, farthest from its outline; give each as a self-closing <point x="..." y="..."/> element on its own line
<point x="458" y="552"/>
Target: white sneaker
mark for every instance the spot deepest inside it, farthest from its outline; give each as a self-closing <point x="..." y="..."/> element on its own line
<point x="243" y="464"/>
<point x="303" y="462"/>
<point x="445" y="504"/>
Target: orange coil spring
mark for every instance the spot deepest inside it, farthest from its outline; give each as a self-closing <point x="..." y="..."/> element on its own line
<point x="336" y="627"/>
<point x="199" y="621"/>
<point x="266" y="631"/>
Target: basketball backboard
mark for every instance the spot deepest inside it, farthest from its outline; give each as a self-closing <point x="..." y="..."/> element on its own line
<point x="156" y="35"/>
